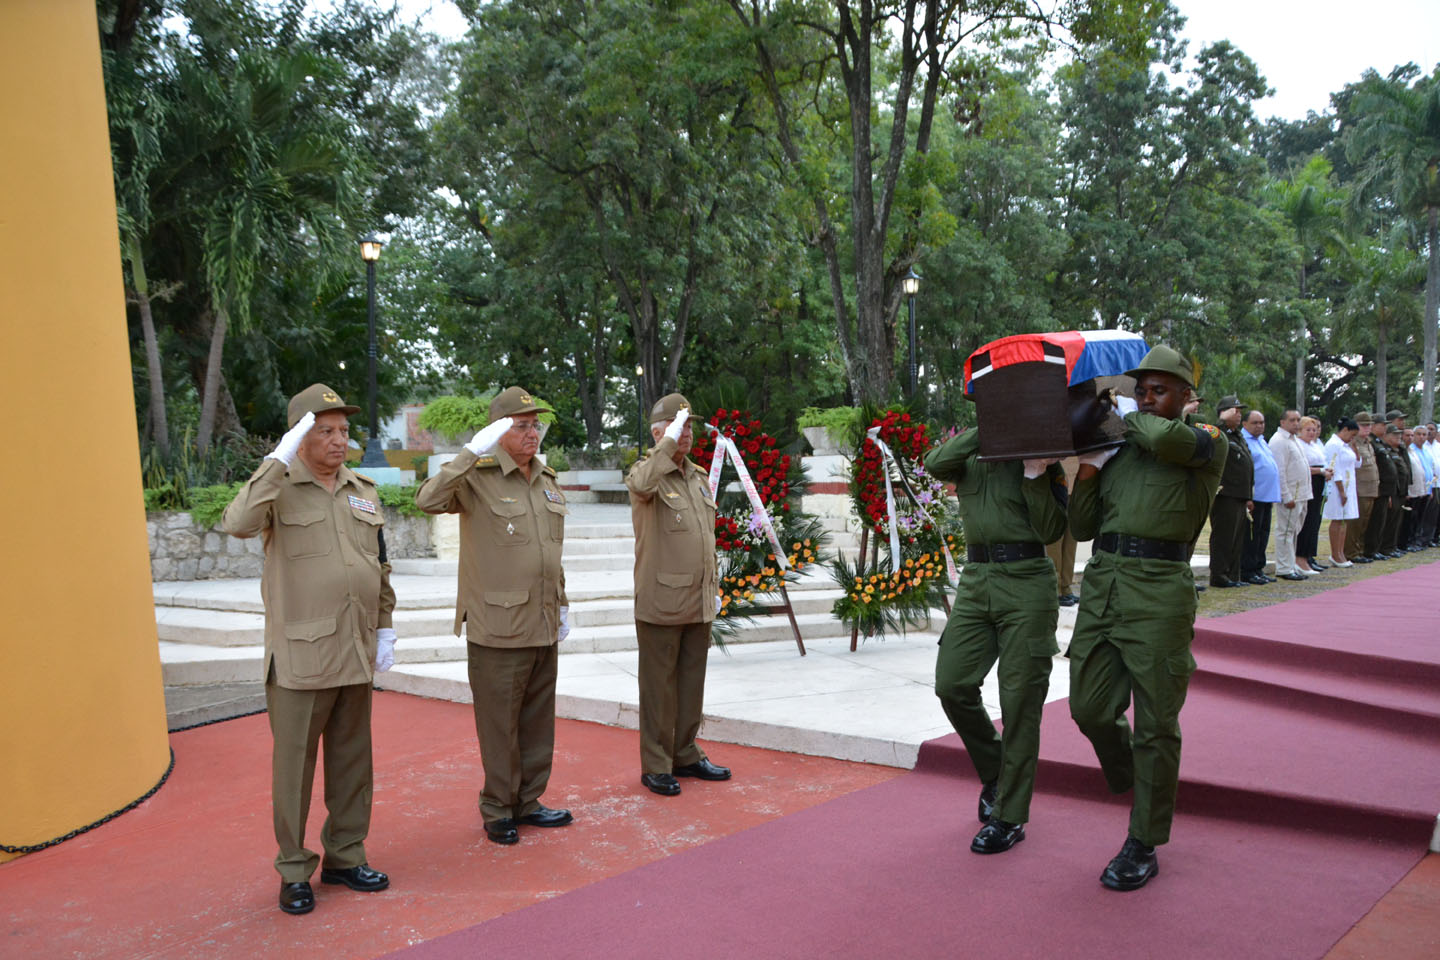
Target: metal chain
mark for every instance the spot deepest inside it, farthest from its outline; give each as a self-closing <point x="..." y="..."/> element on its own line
<point x="33" y="847"/>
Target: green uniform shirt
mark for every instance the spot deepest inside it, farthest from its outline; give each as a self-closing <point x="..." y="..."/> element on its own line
<point x="1385" y="465"/>
<point x="1238" y="479"/>
<point x="1160" y="484"/>
<point x="997" y="503"/>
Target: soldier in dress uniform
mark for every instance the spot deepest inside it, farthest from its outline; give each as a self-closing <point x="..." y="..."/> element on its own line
<point x="1367" y="488"/>
<point x="1144" y="505"/>
<point x="1230" y="516"/>
<point x="1006" y="608"/>
<point x="1390" y="544"/>
<point x="677" y="594"/>
<point x="511" y="601"/>
<point x="326" y="587"/>
<point x="1385" y="490"/>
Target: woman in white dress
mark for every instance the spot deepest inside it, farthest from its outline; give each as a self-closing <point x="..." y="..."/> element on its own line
<point x="1341" y="504"/>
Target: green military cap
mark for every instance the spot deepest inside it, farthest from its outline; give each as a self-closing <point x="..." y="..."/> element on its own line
<point x="1166" y="359"/>
<point x="316" y="398"/>
<point x="1364" y="419"/>
<point x="1394" y="415"/>
<point x="1393" y="429"/>
<point x="667" y="406"/>
<point x="1226" y="403"/>
<point x="515" y="400"/>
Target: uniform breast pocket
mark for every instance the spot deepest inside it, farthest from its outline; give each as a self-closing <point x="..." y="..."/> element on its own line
<point x="969" y="484"/>
<point x="510" y="524"/>
<point x="367" y="531"/>
<point x="1165" y="491"/>
<point x="675" y="515"/>
<point x="304" y="533"/>
<point x="556" y="512"/>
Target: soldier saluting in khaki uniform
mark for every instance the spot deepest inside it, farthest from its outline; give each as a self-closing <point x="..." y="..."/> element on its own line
<point x="677" y="592"/>
<point x="328" y="602"/>
<point x="511" y="598"/>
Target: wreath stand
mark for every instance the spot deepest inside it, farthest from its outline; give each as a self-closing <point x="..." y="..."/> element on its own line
<point x="860" y="572"/>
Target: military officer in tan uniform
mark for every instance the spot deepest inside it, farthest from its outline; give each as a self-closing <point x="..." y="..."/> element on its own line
<point x="677" y="592"/>
<point x="1367" y="489"/>
<point x="328" y="602"/>
<point x="511" y="599"/>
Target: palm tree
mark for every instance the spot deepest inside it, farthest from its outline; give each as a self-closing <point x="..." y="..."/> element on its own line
<point x="1314" y="209"/>
<point x="1396" y="145"/>
<point x="279" y="187"/>
<point x="1383" y="276"/>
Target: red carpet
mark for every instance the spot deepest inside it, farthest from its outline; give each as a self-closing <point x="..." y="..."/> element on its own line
<point x="187" y="873"/>
<point x="1310" y="785"/>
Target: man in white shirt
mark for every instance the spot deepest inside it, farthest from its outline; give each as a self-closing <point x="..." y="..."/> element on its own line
<point x="1294" y="469"/>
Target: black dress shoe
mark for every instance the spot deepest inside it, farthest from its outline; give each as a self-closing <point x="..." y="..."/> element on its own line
<point x="1296" y="577"/>
<point x="1222" y="584"/>
<point x="360" y="878"/>
<point x="703" y="770"/>
<point x="543" y="816"/>
<point x="986" y="808"/>
<point x="1268" y="578"/>
<point x="502" y="831"/>
<point x="1132" y="867"/>
<point x="997" y="836"/>
<point x="1361" y="560"/>
<point x="661" y="783"/>
<point x="1258" y="579"/>
<point x="1199" y="588"/>
<point x="1068" y="600"/>
<point x="296" y="897"/>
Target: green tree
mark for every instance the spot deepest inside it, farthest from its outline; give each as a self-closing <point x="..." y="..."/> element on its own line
<point x="1396" y="145"/>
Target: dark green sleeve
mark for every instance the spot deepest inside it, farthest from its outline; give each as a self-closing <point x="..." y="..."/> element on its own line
<point x="947" y="461"/>
<point x="1085" y="509"/>
<point x="1170" y="441"/>
<point x="1045" y="503"/>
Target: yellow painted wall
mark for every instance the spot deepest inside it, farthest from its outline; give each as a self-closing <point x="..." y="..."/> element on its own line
<point x="82" y="711"/>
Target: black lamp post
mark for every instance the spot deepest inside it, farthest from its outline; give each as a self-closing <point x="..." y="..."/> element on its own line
<point x="370" y="252"/>
<point x="639" y="410"/>
<point x="911" y="283"/>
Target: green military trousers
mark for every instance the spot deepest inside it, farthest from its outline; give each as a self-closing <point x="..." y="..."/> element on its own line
<point x="298" y="719"/>
<point x="672" y="693"/>
<point x="514" y="693"/>
<point x="1132" y="636"/>
<point x="1004" y="611"/>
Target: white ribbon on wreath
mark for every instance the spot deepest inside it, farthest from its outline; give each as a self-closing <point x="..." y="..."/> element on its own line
<point x="725" y="447"/>
<point x="888" y="460"/>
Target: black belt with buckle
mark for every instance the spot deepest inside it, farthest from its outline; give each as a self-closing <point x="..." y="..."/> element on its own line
<point x="1128" y="546"/>
<point x="1003" y="552"/>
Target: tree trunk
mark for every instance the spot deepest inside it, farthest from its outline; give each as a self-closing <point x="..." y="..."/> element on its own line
<point x="210" y="394"/>
<point x="1302" y="344"/>
<point x="1432" y="316"/>
<point x="159" y="423"/>
<point x="1381" y="360"/>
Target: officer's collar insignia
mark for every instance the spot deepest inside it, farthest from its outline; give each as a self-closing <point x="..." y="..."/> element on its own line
<point x="507" y="499"/>
<point x="330" y="397"/>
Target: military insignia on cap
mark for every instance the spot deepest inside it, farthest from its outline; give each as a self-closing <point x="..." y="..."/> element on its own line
<point x="329" y="396"/>
<point x="526" y="398"/>
<point x="1213" y="431"/>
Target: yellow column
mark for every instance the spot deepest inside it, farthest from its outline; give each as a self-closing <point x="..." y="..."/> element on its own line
<point x="82" y="709"/>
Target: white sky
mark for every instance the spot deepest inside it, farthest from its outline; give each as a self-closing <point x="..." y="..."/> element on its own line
<point x="1306" y="51"/>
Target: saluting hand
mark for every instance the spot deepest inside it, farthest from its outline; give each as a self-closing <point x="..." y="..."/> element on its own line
<point x="289" y="444"/>
<point x="489" y="435"/>
<point x="677" y="426"/>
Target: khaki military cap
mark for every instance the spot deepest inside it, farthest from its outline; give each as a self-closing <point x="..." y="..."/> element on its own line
<point x="1364" y="419"/>
<point x="1393" y="429"/>
<point x="1226" y="403"/>
<point x="667" y="406"/>
<point x="316" y="398"/>
<point x="1165" y="359"/>
<point x="1394" y="415"/>
<point x="515" y="400"/>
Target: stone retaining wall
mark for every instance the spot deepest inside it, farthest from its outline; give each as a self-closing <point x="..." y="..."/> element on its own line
<point x="180" y="549"/>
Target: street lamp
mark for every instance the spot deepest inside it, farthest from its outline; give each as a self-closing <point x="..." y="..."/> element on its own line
<point x="639" y="410"/>
<point x="370" y="252"/>
<point x="911" y="285"/>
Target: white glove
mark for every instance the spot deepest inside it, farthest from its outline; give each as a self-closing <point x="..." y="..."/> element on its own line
<point x="1099" y="458"/>
<point x="717" y="606"/>
<point x="1033" y="468"/>
<point x="289" y="444"/>
<point x="564" y="625"/>
<point x="384" y="649"/>
<point x="677" y="426"/>
<point x="1124" y="405"/>
<point x="489" y="435"/>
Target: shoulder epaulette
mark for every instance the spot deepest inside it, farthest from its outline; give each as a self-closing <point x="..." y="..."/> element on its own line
<point x="365" y="478"/>
<point x="486" y="461"/>
<point x="548" y="470"/>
